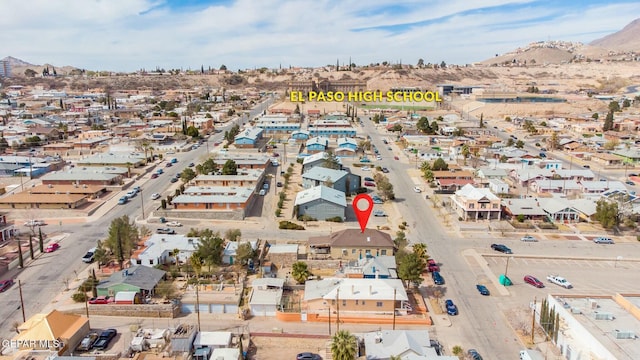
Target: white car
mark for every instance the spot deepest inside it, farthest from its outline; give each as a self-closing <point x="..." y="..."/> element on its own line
<point x="417" y="189"/>
<point x="528" y="238"/>
<point x="34" y="223"/>
<point x="366" y="168"/>
<point x="379" y="213"/>
<point x="155" y="196"/>
<point x="173" y="224"/>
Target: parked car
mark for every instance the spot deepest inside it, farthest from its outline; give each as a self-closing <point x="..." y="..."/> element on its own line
<point x="368" y="178"/>
<point x="528" y="238"/>
<point x="279" y="184"/>
<point x="174" y="180"/>
<point x="379" y="213"/>
<point x="105" y="338"/>
<point x="603" y="240"/>
<point x="483" y="290"/>
<point x="88" y="257"/>
<point x="473" y="354"/>
<point x="533" y="281"/>
<point x="452" y="309"/>
<point x="101" y="300"/>
<point x="174" y="160"/>
<point x="630" y="183"/>
<point x="52" y="247"/>
<point x="385" y="170"/>
<point x="369" y="183"/>
<point x="169" y="165"/>
<point x="308" y="356"/>
<point x="262" y="192"/>
<point x="586" y="166"/>
<point x="366" y="168"/>
<point x="192" y="164"/>
<point x="417" y="189"/>
<point x="34" y="223"/>
<point x="5" y="284"/>
<point x="123" y="200"/>
<point x="377" y="199"/>
<point x="432" y="265"/>
<point x="560" y="281"/>
<point x="396" y="158"/>
<point x="501" y="248"/>
<point x="437" y="278"/>
<point x="174" y="224"/>
<point x="87" y="342"/>
<point x="137" y="189"/>
<point x="155" y="196"/>
<point x="154" y="176"/>
<point x="167" y="231"/>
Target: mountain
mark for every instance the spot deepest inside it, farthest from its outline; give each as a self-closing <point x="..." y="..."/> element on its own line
<point x="14" y="62"/>
<point x="625" y="40"/>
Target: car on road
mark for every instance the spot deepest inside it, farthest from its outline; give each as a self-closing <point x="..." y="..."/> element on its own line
<point x="123" y="200"/>
<point x="586" y="166"/>
<point x="417" y="189"/>
<point x="379" y="213"/>
<point x="174" y="160"/>
<point x="630" y="183"/>
<point x="452" y="309"/>
<point x="366" y="168"/>
<point x="385" y="170"/>
<point x="483" y="290"/>
<point x="105" y="338"/>
<point x="533" y="281"/>
<point x="437" y="278"/>
<point x="396" y="158"/>
<point x="155" y="196"/>
<point x="169" y="165"/>
<point x="131" y="194"/>
<point x="432" y="265"/>
<point x="279" y="184"/>
<point x="174" y="224"/>
<point x="560" y="281"/>
<point x="87" y="342"/>
<point x="473" y="354"/>
<point x="501" y="248"/>
<point x="368" y="178"/>
<point x="308" y="356"/>
<point x="101" y="300"/>
<point x="52" y="247"/>
<point x="174" y="180"/>
<point x="88" y="257"/>
<point x="262" y="192"/>
<point x="603" y="240"/>
<point x="528" y="238"/>
<point x="369" y="183"/>
<point x="159" y="171"/>
<point x="191" y="165"/>
<point x="167" y="231"/>
<point x="5" y="284"/>
<point x="137" y="189"/>
<point x="154" y="176"/>
<point x="34" y="223"/>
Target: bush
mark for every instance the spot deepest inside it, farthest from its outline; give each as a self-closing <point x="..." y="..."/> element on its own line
<point x="278" y="212"/>
<point x="288" y="225"/>
<point x="79" y="297"/>
<point x="280" y="204"/>
<point x="282" y="195"/>
<point x="87" y="285"/>
<point x="307" y="218"/>
<point x="299" y="160"/>
<point x="337" y="219"/>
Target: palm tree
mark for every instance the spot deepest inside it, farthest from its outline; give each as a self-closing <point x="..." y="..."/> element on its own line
<point x="145" y="147"/>
<point x="175" y="252"/>
<point x="300" y="271"/>
<point x="343" y="346"/>
<point x="129" y="165"/>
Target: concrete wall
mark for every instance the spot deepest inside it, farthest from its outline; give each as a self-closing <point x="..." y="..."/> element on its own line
<point x="209" y="214"/>
<point x="133" y="311"/>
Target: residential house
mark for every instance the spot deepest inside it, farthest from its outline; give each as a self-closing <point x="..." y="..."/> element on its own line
<point x="355" y="297"/>
<point x="337" y="179"/>
<point x="351" y="244"/>
<point x="450" y="181"/>
<point x="550" y="164"/>
<point x="348" y="143"/>
<point x="248" y="138"/>
<point x="7" y="229"/>
<point x="471" y="203"/>
<point x="282" y="255"/>
<point x="628" y="156"/>
<point x="559" y="210"/>
<point x="237" y="200"/>
<point x="317" y="144"/>
<point x="377" y="267"/>
<point x="247" y="178"/>
<point x="26" y="200"/>
<point x="527" y="208"/>
<point x="226" y="354"/>
<point x="244" y="161"/>
<point x="405" y="344"/>
<point x="606" y="159"/>
<point x="555" y="186"/>
<point x="524" y="177"/>
<point x="321" y="203"/>
<point x="229" y="256"/>
<point x="41" y="331"/>
<point x="575" y="174"/>
<point x="96" y="176"/>
<point x="159" y="250"/>
<point x="498" y="186"/>
<point x="125" y="160"/>
<point x="300" y="135"/>
<point x="141" y="279"/>
<point x="266" y="296"/>
<point x="313" y="160"/>
<point x="212" y="339"/>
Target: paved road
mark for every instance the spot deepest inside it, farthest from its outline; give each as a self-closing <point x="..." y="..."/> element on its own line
<point x="48" y="274"/>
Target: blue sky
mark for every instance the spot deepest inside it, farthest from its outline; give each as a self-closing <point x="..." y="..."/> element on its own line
<point x="126" y="35"/>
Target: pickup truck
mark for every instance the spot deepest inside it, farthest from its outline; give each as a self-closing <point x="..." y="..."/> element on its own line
<point x="560" y="281"/>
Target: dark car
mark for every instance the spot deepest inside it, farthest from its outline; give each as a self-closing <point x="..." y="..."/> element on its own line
<point x="5" y="284"/>
<point x="154" y="176"/>
<point x="501" y="248"/>
<point x="483" y="290"/>
<point x="437" y="278"/>
<point x="87" y="343"/>
<point x="105" y="338"/>
<point x="452" y="309"/>
<point x="279" y="184"/>
<point x="174" y="180"/>
<point x="385" y="170"/>
<point x="629" y="182"/>
<point x="167" y="231"/>
<point x="169" y="164"/>
<point x="368" y="178"/>
<point x="533" y="281"/>
<point x="307" y="356"/>
<point x="473" y="354"/>
<point x="192" y="164"/>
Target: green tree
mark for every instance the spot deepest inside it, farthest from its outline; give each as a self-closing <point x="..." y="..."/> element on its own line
<point x="101" y="256"/>
<point x="434" y="127"/>
<point x="166" y="289"/>
<point x="233" y="234"/>
<point x="614" y="106"/>
<point x="554" y="141"/>
<point x="410" y="268"/>
<point x="210" y="246"/>
<point x="519" y="144"/>
<point x="245" y="252"/>
<point x="439" y="165"/>
<point x="595" y="116"/>
<point x="465" y="152"/>
<point x="193" y="132"/>
<point x="385" y="187"/>
<point x="343" y="346"/>
<point x="187" y="175"/>
<point x="420" y="249"/>
<point x="300" y="272"/>
<point x="396" y="128"/>
<point x="230" y="168"/>
<point x="607" y="213"/>
<point x="331" y="161"/>
<point x="423" y="125"/>
<point x="122" y="238"/>
<point x="608" y="122"/>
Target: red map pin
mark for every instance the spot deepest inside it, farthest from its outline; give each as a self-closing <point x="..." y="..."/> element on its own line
<point x="362" y="206"/>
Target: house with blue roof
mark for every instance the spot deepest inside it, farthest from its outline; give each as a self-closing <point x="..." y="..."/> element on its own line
<point x="317" y="144"/>
<point x="338" y="179"/>
<point x="301" y="135"/>
<point x="248" y="138"/>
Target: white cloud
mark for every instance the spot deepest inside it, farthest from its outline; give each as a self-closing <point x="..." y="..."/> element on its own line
<point x="130" y="34"/>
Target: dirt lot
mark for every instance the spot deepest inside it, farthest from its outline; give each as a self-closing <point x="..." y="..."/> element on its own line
<point x="276" y="348"/>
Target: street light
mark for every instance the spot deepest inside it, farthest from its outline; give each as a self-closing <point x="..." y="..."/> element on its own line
<point x="142" y="203"/>
<point x="506" y="268"/>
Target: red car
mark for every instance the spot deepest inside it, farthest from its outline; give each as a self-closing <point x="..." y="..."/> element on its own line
<point x="154" y="176"/>
<point x="432" y="265"/>
<point x="369" y="183"/>
<point x="5" y="284"/>
<point x="101" y="300"/>
<point x="396" y="158"/>
<point x="52" y="247"/>
<point x="533" y="281"/>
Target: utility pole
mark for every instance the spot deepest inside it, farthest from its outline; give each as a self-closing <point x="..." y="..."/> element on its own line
<point x="24" y="319"/>
<point x="329" y="321"/>
<point x="86" y="307"/>
<point x="142" y="202"/>
<point x="394" y="308"/>
<point x="198" y="300"/>
<point x="533" y="320"/>
<point x="338" y="310"/>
